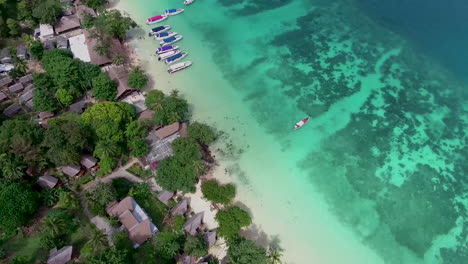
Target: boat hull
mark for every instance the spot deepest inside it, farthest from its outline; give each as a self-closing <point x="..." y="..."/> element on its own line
<point x="166" y="28"/>
<point x="301" y="123"/>
<point x="188" y="2"/>
<point x="173" y="13"/>
<point x="156" y="21"/>
<point x="167" y="55"/>
<point x="179" y="66"/>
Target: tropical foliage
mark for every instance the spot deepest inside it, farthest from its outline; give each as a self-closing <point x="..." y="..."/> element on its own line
<point x="231" y="221"/>
<point x="17" y="205"/>
<point x="215" y="192"/>
<point x="99" y="196"/>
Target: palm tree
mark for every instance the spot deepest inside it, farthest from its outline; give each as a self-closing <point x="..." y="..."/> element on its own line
<point x="51" y="197"/>
<point x="174" y="93"/>
<point x="98" y="241"/>
<point x="20" y="65"/>
<point x="105" y="148"/>
<point x="274" y="256"/>
<point x="68" y="200"/>
<point x="27" y="39"/>
<point x="53" y="226"/>
<point x="11" y="169"/>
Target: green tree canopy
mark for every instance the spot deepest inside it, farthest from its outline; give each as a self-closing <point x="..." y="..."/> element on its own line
<point x="231" y="221"/>
<point x="104" y="88"/>
<point x="215" y="192"/>
<point x="137" y="78"/>
<point x="99" y="196"/>
<point x="196" y="246"/>
<point x="168" y="243"/>
<point x="95" y="4"/>
<point x="175" y="175"/>
<point x="63" y="70"/>
<point x="118" y="113"/>
<point x="172" y="109"/>
<point x="36" y="49"/>
<point x="65" y="139"/>
<point x="201" y="133"/>
<point x="153" y="99"/>
<point x="11" y="167"/>
<point x="18" y="203"/>
<point x="111" y="255"/>
<point x="21" y="138"/>
<point x="64" y="97"/>
<point x="246" y="252"/>
<point x="47" y="11"/>
<point x="186" y="149"/>
<point x="44" y="99"/>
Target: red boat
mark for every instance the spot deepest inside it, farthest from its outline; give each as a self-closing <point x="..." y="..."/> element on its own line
<point x="301" y="123"/>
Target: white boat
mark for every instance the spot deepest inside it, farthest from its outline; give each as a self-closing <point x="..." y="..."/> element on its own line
<point x="168" y="54"/>
<point x="170" y="40"/>
<point x="164" y="35"/>
<point x="188" y="2"/>
<point x="175" y="58"/>
<point x="173" y="11"/>
<point x="159" y="29"/>
<point x="301" y="123"/>
<point x="165" y="49"/>
<point x="156" y="19"/>
<point x="179" y="66"/>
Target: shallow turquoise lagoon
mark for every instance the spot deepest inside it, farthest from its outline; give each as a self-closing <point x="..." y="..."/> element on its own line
<point x="378" y="175"/>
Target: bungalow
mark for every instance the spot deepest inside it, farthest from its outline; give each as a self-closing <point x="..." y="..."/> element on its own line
<point x="120" y="75"/>
<point x="6" y="67"/>
<point x="3" y="97"/>
<point x="48" y="45"/>
<point x="5" y="56"/>
<point x="164" y="196"/>
<point x="4" y="82"/>
<point x="88" y="161"/>
<point x="192" y="225"/>
<point x="46" y="32"/>
<point x="60" y="256"/>
<point x="181" y="208"/>
<point x="67" y="24"/>
<point x="45" y="115"/>
<point x="47" y="181"/>
<point x="210" y="238"/>
<point x="134" y="219"/>
<point x="12" y="110"/>
<point x="16" y="88"/>
<point x="22" y="52"/>
<point x="83" y="47"/>
<point x="78" y="107"/>
<point x="30" y="105"/>
<point x="62" y="43"/>
<point x="82" y="11"/>
<point x="71" y="170"/>
<point x="146" y="115"/>
<point x="167" y="131"/>
<point x="26" y="96"/>
<point x="25" y="80"/>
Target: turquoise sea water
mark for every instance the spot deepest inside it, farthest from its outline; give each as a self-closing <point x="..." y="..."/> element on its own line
<point x="378" y="175"/>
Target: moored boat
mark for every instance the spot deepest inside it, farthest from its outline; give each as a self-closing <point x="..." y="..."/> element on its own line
<point x="170" y="40"/>
<point x="165" y="49"/>
<point x="179" y="66"/>
<point x="301" y="123"/>
<point x="175" y="58"/>
<point x="164" y="35"/>
<point x="173" y="11"/>
<point x="159" y="29"/>
<point x="188" y="2"/>
<point x="156" y="19"/>
<point x="168" y="54"/>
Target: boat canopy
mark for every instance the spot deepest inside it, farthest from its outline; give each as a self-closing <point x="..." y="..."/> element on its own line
<point x="165" y="48"/>
<point x="174" y="57"/>
<point x="169" y="39"/>
<point x="151" y="19"/>
<point x="172" y="10"/>
<point x="156" y="29"/>
<point x="162" y="34"/>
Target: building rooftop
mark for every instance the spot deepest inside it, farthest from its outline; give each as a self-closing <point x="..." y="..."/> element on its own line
<point x="78" y="107"/>
<point x="26" y="96"/>
<point x="88" y="161"/>
<point x="95" y="58"/>
<point x="164" y="196"/>
<point x="210" y="238"/>
<point x="79" y="48"/>
<point x="167" y="131"/>
<point x="47" y="31"/>
<point x="3" y="97"/>
<point x="47" y="181"/>
<point x="120" y="75"/>
<point x="45" y="115"/>
<point x="67" y="23"/>
<point x="62" y="43"/>
<point x="181" y="208"/>
<point x="27" y="79"/>
<point x="71" y="170"/>
<point x="5" y="81"/>
<point x="16" y="88"/>
<point x="12" y="110"/>
<point x="192" y="225"/>
<point x="61" y="256"/>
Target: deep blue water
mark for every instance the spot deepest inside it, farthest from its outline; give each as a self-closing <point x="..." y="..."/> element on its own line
<point x="439" y="28"/>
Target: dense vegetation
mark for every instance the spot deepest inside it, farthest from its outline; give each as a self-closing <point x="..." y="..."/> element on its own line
<point x="231" y="220"/>
<point x="168" y="109"/>
<point x="217" y="193"/>
<point x="17" y="203"/>
<point x="137" y="78"/>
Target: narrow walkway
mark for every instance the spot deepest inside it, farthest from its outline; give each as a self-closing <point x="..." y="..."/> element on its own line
<point x="119" y="173"/>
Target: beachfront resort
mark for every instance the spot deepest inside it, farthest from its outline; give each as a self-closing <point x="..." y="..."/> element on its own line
<point x="97" y="165"/>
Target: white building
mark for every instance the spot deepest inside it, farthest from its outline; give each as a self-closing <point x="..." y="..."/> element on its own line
<point x="46" y="32"/>
<point x="79" y="48"/>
